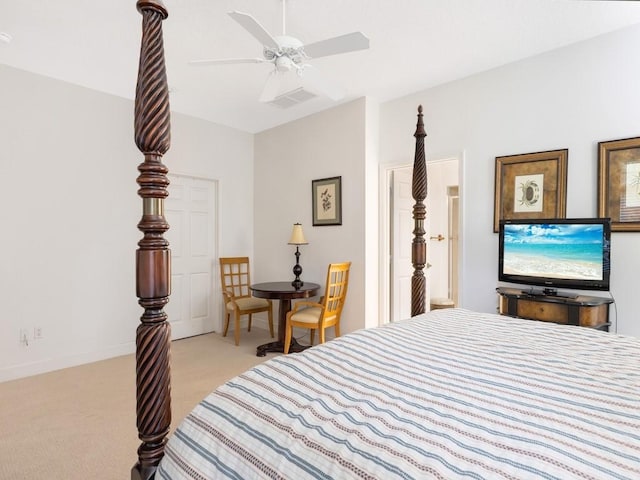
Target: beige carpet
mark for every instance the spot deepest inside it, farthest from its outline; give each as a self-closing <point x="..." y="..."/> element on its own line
<point x="80" y="422"/>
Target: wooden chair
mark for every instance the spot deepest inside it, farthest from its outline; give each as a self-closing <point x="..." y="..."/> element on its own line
<point x="324" y="314"/>
<point x="235" y="280"/>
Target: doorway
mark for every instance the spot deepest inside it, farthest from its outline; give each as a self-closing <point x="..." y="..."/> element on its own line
<point x="191" y="210"/>
<point x="442" y="227"/>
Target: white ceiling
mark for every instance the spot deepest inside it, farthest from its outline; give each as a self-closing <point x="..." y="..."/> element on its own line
<point x="415" y="44"/>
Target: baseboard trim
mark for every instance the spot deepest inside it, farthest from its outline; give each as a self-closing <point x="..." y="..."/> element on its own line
<point x="46" y="365"/>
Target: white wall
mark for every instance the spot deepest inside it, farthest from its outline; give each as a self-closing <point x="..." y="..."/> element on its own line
<point x="69" y="214"/>
<point x="287" y="159"/>
<point x="212" y="151"/>
<point x="569" y="98"/>
<point x="69" y="165"/>
<point x="371" y="214"/>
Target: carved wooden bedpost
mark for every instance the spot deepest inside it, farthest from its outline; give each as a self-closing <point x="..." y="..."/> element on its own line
<point x="153" y="260"/>
<point x="418" y="245"/>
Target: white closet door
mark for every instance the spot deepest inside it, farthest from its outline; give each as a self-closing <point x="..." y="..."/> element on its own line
<point x="401" y="237"/>
<point x="190" y="210"/>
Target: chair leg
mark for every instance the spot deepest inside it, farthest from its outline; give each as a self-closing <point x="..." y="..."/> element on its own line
<point x="312" y="334"/>
<point x="250" y="318"/>
<point x="236" y="332"/>
<point x="337" y="330"/>
<point x="226" y="325"/>
<point x="271" y="322"/>
<point x="288" y="330"/>
<point x="321" y="335"/>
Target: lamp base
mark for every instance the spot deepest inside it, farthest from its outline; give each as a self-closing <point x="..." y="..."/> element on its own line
<point x="297" y="271"/>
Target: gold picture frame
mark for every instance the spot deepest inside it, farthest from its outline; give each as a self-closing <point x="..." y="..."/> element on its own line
<point x="326" y="201"/>
<point x="531" y="185"/>
<point x="619" y="183"/>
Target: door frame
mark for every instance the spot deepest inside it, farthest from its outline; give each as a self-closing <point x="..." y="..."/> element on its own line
<point x="384" y="258"/>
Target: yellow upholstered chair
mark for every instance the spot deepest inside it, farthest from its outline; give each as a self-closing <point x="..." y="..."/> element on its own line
<point x="235" y="280"/>
<point x="326" y="313"/>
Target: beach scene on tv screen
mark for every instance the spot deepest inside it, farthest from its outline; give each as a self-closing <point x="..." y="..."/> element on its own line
<point x="554" y="251"/>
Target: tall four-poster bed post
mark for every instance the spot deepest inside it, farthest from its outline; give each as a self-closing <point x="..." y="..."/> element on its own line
<point x="153" y="260"/>
<point x="418" y="245"/>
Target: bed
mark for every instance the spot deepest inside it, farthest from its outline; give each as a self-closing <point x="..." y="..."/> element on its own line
<point x="450" y="394"/>
<point x="447" y="394"/>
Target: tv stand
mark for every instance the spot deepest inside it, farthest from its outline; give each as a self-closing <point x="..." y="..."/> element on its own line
<point x="582" y="310"/>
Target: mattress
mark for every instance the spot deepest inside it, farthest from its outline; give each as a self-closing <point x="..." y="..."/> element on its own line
<point x="446" y="395"/>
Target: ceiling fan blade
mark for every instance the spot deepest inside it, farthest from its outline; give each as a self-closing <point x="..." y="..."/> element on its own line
<point x="271" y="87"/>
<point x="349" y="42"/>
<point x="252" y="26"/>
<point x="228" y="61"/>
<point x="322" y="83"/>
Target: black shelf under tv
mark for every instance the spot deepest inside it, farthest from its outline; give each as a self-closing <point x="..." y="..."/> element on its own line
<point x="581" y="310"/>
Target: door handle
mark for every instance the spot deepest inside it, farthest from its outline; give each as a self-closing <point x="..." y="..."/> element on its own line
<point x="439" y="238"/>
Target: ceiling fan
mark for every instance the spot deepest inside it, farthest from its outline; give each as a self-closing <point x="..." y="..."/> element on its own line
<point x="290" y="56"/>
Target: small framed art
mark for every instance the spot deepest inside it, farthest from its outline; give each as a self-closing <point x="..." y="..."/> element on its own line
<point x="326" y="198"/>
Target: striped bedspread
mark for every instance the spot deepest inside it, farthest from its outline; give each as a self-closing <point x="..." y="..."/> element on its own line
<point x="451" y="394"/>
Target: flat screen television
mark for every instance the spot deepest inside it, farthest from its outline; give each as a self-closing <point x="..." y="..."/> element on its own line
<point x="556" y="253"/>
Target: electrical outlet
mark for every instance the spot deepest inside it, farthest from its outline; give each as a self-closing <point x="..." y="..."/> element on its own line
<point x="24" y="337"/>
<point x="37" y="333"/>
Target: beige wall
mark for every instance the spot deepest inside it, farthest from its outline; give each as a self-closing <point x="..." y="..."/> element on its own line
<point x="566" y="98"/>
<point x="287" y="159"/>
<point x="69" y="165"/>
<point x="571" y="98"/>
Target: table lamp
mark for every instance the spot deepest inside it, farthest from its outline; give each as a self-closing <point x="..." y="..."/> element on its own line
<point x="297" y="239"/>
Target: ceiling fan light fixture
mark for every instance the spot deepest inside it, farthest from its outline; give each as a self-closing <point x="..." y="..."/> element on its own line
<point x="284" y="64"/>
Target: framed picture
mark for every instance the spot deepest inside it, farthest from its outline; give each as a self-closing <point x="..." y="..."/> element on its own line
<point x="326" y="197"/>
<point x="531" y="185"/>
<point x="619" y="183"/>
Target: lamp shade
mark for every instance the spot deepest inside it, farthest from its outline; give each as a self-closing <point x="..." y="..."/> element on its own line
<point x="297" y="235"/>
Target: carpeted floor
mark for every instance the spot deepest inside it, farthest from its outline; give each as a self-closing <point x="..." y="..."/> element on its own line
<point x="80" y="422"/>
